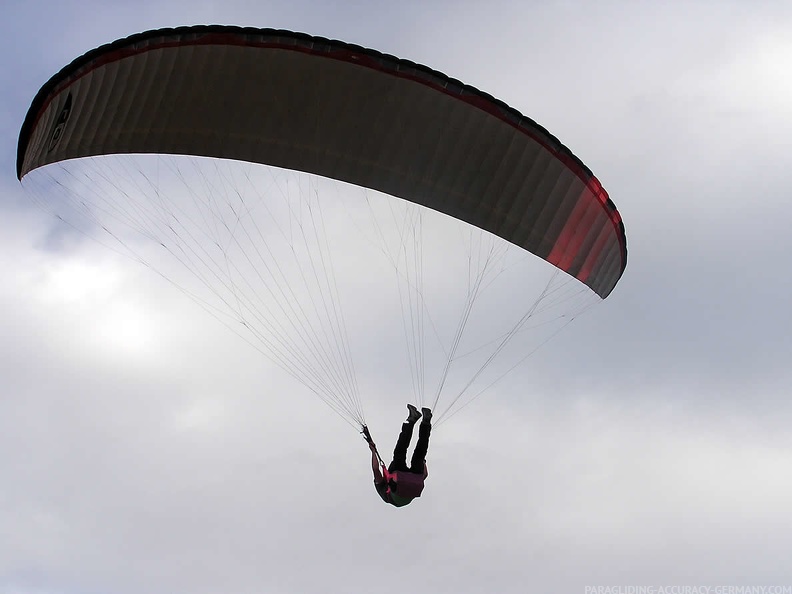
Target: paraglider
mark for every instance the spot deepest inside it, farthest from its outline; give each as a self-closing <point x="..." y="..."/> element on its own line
<point x="160" y="137"/>
<point x="398" y="483"/>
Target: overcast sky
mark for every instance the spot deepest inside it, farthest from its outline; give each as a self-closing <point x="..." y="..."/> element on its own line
<point x="144" y="448"/>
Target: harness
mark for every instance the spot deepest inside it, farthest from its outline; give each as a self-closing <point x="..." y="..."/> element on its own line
<point x="367" y="436"/>
<point x="408" y="484"/>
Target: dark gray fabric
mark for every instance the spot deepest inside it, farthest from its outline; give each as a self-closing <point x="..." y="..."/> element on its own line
<point x="339" y="111"/>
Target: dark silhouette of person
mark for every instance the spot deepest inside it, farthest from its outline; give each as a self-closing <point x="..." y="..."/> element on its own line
<point x="399" y="484"/>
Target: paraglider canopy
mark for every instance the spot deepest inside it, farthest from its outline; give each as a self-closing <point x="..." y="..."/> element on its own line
<point x="338" y="110"/>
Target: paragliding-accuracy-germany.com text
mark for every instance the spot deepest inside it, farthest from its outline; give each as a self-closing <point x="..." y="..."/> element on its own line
<point x="688" y="589"/>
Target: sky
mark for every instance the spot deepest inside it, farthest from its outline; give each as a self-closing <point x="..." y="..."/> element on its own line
<point x="145" y="448"/>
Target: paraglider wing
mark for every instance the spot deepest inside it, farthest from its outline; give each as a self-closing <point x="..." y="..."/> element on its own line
<point x="337" y="110"/>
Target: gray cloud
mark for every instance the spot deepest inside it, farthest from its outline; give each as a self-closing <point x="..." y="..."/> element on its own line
<point x="144" y="447"/>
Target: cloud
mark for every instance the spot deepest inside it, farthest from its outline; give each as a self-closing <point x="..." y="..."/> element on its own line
<point x="144" y="447"/>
